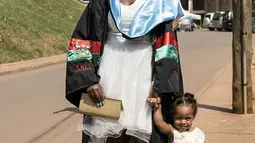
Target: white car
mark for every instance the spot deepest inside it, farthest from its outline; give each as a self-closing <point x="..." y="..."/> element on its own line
<point x="208" y="21"/>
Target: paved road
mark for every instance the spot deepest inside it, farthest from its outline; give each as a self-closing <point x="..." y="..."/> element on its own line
<point x="30" y="101"/>
<point x="202" y="55"/>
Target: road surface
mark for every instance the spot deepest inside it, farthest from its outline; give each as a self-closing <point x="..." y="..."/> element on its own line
<point x="34" y="110"/>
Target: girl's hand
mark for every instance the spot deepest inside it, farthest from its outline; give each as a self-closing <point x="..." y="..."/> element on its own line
<point x="96" y="94"/>
<point x="154" y="102"/>
<point x="157" y="114"/>
<point x="162" y="125"/>
<point x="158" y="118"/>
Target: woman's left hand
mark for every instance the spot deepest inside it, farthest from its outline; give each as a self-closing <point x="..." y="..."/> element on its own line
<point x="154" y="102"/>
<point x="152" y="94"/>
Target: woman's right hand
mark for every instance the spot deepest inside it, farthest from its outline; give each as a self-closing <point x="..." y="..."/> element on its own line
<point x="96" y="94"/>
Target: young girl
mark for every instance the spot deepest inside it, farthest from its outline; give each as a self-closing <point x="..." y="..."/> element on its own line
<point x="184" y="109"/>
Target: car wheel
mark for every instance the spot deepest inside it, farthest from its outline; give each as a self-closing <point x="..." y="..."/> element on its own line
<point x="211" y="29"/>
<point x="228" y="29"/>
<point x="219" y="29"/>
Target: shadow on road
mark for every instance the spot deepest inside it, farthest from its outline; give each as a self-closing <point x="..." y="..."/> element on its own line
<point x="210" y="107"/>
<point x="70" y="109"/>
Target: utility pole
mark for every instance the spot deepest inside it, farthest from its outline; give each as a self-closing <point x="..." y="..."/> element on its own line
<point x="248" y="51"/>
<point x="242" y="56"/>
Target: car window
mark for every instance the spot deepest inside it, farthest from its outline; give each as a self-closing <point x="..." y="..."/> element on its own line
<point x="226" y="16"/>
<point x="216" y="16"/>
<point x="253" y="13"/>
<point x="208" y="16"/>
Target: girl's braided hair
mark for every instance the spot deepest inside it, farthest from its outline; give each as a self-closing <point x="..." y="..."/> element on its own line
<point x="186" y="99"/>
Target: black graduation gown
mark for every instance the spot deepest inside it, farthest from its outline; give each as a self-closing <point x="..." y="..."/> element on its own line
<point x="90" y="33"/>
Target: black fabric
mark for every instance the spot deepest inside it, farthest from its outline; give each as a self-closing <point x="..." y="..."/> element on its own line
<point x="85" y="138"/>
<point x="157" y="136"/>
<point x="93" y="21"/>
<point x="167" y="72"/>
<point x="167" y="80"/>
<point x="166" y="77"/>
<point x="78" y="81"/>
<point x="181" y="90"/>
<point x="160" y="29"/>
<point x="92" y="26"/>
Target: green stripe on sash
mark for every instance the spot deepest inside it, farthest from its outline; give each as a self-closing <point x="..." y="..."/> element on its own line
<point x="167" y="51"/>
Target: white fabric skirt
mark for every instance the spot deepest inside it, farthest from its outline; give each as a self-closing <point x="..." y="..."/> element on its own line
<point x="125" y="71"/>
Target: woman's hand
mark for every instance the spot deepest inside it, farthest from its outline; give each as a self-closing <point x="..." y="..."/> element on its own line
<point x="152" y="94"/>
<point x="154" y="102"/>
<point x="96" y="94"/>
<point x="153" y="99"/>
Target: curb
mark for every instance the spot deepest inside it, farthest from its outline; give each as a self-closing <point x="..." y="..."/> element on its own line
<point x="84" y="1"/>
<point x="202" y="90"/>
<point x="31" y="64"/>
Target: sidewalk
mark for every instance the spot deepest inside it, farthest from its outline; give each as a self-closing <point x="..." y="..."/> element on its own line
<point x="214" y="117"/>
<point x="214" y="114"/>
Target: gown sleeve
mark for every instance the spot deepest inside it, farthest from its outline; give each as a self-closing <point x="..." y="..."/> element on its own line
<point x="84" y="52"/>
<point x="167" y="67"/>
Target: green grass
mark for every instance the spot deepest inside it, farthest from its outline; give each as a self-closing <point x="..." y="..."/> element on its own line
<point x="36" y="28"/>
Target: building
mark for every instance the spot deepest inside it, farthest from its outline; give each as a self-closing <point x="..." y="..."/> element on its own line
<point x="218" y="5"/>
<point x="203" y="6"/>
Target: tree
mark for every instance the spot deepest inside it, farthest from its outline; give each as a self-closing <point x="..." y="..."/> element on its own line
<point x="242" y="56"/>
<point x="253" y="4"/>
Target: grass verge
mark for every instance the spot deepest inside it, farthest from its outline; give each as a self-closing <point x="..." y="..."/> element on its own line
<point x="31" y="29"/>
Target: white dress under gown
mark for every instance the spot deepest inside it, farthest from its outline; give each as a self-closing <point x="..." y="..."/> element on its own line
<point x="194" y="136"/>
<point x="125" y="70"/>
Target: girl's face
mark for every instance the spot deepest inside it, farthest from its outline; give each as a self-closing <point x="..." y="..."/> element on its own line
<point x="183" y="118"/>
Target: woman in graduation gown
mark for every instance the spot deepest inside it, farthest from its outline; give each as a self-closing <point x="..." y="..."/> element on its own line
<point x="125" y="50"/>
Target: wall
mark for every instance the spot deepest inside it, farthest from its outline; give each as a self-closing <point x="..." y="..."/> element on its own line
<point x="225" y="5"/>
<point x="212" y="5"/>
<point x="218" y="5"/>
